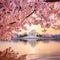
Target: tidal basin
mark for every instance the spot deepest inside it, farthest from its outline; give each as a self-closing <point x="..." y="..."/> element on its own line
<point x="42" y="50"/>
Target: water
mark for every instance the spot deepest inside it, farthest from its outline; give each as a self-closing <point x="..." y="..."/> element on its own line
<point x="41" y="51"/>
<point x="43" y="57"/>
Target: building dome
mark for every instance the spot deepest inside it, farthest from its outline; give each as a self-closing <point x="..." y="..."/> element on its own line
<point x="33" y="32"/>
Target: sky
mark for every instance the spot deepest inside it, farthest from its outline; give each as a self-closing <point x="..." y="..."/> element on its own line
<point x="39" y="30"/>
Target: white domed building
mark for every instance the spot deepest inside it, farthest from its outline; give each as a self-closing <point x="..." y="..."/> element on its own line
<point x="33" y="33"/>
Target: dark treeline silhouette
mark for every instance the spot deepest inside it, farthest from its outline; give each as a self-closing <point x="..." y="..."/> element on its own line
<point x="44" y="37"/>
<point x="56" y="37"/>
<point x="9" y="54"/>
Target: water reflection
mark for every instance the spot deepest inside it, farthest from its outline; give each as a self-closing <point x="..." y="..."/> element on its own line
<point x="41" y="51"/>
<point x="43" y="57"/>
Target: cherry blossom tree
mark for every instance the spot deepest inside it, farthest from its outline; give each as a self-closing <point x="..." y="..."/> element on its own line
<point x="9" y="54"/>
<point x="15" y="14"/>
